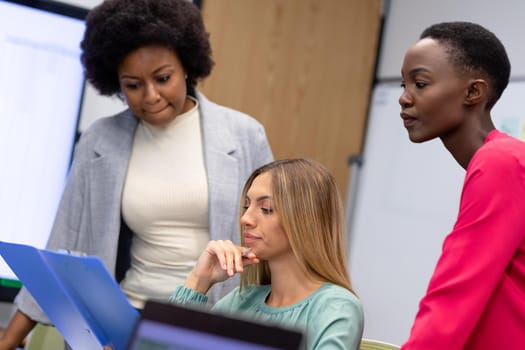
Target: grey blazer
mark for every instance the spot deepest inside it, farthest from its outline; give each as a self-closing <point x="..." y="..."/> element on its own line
<point x="89" y="215"/>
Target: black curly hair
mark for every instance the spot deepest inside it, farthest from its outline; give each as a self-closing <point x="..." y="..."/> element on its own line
<point x="473" y="48"/>
<point x="116" y="27"/>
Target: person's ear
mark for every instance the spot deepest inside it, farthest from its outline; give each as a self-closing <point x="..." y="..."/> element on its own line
<point x="477" y="92"/>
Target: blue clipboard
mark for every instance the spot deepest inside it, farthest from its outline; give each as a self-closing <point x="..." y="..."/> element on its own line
<point x="77" y="293"/>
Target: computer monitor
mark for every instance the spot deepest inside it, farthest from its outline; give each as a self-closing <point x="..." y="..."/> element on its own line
<point x="164" y="326"/>
<point x="40" y="100"/>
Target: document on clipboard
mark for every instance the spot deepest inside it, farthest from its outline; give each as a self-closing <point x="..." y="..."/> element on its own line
<point x="77" y="293"/>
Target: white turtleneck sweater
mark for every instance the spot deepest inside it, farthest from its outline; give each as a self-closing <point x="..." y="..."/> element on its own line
<point x="165" y="203"/>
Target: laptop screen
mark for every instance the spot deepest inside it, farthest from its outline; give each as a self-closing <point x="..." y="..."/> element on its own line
<point x="168" y="327"/>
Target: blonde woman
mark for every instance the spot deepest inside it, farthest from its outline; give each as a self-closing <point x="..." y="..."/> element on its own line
<point x="292" y="259"/>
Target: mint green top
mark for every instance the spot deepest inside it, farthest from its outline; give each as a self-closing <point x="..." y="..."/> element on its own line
<point x="331" y="317"/>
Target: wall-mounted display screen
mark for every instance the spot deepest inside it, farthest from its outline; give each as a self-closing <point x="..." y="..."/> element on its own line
<point x="41" y="88"/>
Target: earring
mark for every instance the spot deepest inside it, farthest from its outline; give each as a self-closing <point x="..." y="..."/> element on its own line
<point x="185" y="76"/>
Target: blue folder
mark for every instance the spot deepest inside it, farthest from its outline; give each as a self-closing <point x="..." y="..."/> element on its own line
<point x="77" y="293"/>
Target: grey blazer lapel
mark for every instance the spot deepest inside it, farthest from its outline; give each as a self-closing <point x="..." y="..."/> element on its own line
<point x="108" y="169"/>
<point x="222" y="170"/>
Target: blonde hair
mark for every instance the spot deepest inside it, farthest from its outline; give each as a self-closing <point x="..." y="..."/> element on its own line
<point x="305" y="196"/>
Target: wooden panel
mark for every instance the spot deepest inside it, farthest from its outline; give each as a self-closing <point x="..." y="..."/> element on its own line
<point x="303" y="68"/>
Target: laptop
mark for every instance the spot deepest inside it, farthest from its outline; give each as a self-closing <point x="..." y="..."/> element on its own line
<point x="165" y="326"/>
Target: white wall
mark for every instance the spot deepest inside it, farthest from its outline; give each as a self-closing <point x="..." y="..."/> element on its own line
<point x="96" y="106"/>
<point x="407" y="195"/>
<point x="407" y="19"/>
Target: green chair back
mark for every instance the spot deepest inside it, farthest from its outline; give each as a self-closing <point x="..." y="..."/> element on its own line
<point x="369" y="344"/>
<point x="45" y="338"/>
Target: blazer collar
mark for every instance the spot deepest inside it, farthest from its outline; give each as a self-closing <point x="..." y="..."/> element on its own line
<point x="222" y="167"/>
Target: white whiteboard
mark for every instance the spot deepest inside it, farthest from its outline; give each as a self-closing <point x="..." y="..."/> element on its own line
<point x="406" y="202"/>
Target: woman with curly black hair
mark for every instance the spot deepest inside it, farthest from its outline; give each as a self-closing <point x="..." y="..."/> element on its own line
<point x="150" y="186"/>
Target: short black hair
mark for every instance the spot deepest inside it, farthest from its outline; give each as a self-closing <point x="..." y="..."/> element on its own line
<point x="116" y="27"/>
<point x="473" y="48"/>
